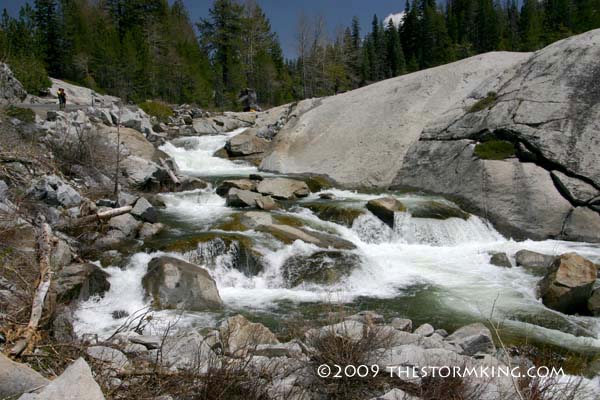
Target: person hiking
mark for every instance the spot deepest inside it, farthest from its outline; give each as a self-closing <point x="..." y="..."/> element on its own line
<point x="248" y="99"/>
<point x="62" y="99"/>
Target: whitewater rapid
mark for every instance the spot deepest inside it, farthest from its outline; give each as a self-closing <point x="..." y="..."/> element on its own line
<point x="427" y="268"/>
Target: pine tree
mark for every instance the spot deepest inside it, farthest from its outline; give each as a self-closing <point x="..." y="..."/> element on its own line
<point x="395" y="56"/>
<point x="530" y="26"/>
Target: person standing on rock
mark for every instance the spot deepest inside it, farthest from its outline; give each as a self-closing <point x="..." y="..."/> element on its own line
<point x="248" y="99"/>
<point x="62" y="99"/>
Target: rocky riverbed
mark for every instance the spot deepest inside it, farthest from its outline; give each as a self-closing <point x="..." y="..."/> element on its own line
<point x="203" y="268"/>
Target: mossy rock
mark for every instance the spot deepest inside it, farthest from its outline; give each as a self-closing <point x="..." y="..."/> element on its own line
<point x="232" y="223"/>
<point x="157" y="109"/>
<point x="335" y="213"/>
<point x="317" y="183"/>
<point x="437" y="210"/>
<point x="495" y="150"/>
<point x="323" y="267"/>
<point x="485" y="103"/>
<point x="288" y="220"/>
<point x="22" y="114"/>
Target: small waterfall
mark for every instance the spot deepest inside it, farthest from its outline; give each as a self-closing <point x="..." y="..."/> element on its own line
<point x="448" y="232"/>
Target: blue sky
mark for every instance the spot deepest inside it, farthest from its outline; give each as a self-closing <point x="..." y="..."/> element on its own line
<point x="283" y="14"/>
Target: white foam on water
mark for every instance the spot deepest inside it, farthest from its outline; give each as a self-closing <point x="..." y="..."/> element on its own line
<point x="449" y="256"/>
<point x="199" y="160"/>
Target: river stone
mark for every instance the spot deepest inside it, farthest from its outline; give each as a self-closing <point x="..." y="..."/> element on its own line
<point x="576" y="190"/>
<point x="283" y="188"/>
<point x="240" y="335"/>
<point x="242" y="184"/>
<point x="424" y="330"/>
<point x="80" y="282"/>
<point x="173" y="283"/>
<point x="472" y="339"/>
<point x="534" y="261"/>
<point x="402" y="324"/>
<point x="125" y="223"/>
<point x="144" y="211"/>
<point x="384" y="208"/>
<point x="76" y="382"/>
<point x="17" y="378"/>
<point x="253" y="219"/>
<point x="323" y="267"/>
<point x="500" y="260"/>
<point x="247" y="143"/>
<point x="242" y="198"/>
<point x="333" y="212"/>
<point x="568" y="284"/>
<point x="594" y="303"/>
<point x="112" y="357"/>
<point x="267" y="203"/>
<point x="582" y="225"/>
<point x="187" y="350"/>
<point x="149" y="230"/>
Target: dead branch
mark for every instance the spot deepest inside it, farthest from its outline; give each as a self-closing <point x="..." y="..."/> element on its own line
<point x="169" y="171"/>
<point x="100" y="216"/>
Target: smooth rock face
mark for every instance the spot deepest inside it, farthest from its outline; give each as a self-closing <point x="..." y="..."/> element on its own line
<point x="424" y="330"/>
<point x="77" y="382"/>
<point x="144" y="211"/>
<point x="359" y="138"/>
<point x="242" y="198"/>
<point x="548" y="107"/>
<point x="582" y="225"/>
<point x="283" y="188"/>
<point x="17" y="378"/>
<point x="500" y="260"/>
<point x="188" y="350"/>
<point x="385" y="208"/>
<point x="532" y="260"/>
<point x="174" y="283"/>
<point x="242" y="184"/>
<point x="247" y="143"/>
<point x="568" y="284"/>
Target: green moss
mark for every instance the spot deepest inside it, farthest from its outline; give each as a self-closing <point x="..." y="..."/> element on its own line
<point x="486" y="102"/>
<point x="288" y="220"/>
<point x="23" y="114"/>
<point x="335" y="213"/>
<point x="495" y="150"/>
<point x="317" y="183"/>
<point x="157" y="109"/>
<point x="233" y="223"/>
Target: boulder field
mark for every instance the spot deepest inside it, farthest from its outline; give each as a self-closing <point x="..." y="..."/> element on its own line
<point x="509" y="136"/>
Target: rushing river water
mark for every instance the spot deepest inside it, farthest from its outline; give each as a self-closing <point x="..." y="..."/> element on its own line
<point x="429" y="270"/>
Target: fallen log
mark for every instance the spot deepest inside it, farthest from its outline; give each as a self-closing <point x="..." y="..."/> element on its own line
<point x="99" y="216"/>
<point x="169" y="171"/>
<point x="44" y="252"/>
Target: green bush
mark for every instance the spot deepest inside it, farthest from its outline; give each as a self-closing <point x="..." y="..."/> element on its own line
<point x="495" y="150"/>
<point x="23" y="114"/>
<point x="31" y="73"/>
<point x="484" y="103"/>
<point x="157" y="109"/>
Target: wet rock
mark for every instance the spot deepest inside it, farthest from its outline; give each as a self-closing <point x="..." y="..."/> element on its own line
<point x="80" y="282"/>
<point x="144" y="211"/>
<point x="472" y="339"/>
<point x="119" y="314"/>
<point x="583" y="225"/>
<point x="241" y="184"/>
<point x="267" y="203"/>
<point x="323" y="267"/>
<point x="113" y="358"/>
<point x="254" y="219"/>
<point x="173" y="283"/>
<point x="384" y="208"/>
<point x="240" y="335"/>
<point x="437" y="210"/>
<point x="568" y="284"/>
<point x="187" y="183"/>
<point x="335" y="212"/>
<point x="77" y="382"/>
<point x="17" y="378"/>
<point x="242" y="198"/>
<point x="402" y="324"/>
<point x="594" y="302"/>
<point x="125" y="223"/>
<point x="289" y="234"/>
<point x="283" y="188"/>
<point x="534" y="261"/>
<point x="149" y="230"/>
<point x="247" y="143"/>
<point x="500" y="260"/>
<point x="424" y="330"/>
